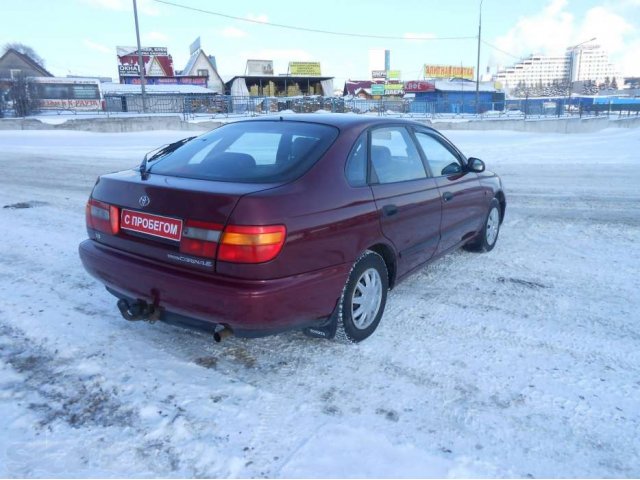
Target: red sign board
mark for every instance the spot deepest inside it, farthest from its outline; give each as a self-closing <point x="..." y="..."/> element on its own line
<point x="157" y="62"/>
<point x="163" y="227"/>
<point x="419" y="86"/>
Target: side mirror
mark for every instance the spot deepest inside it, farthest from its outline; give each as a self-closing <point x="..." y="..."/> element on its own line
<point x="475" y="165"/>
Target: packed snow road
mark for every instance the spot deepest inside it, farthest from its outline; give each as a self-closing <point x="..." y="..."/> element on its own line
<point x="524" y="362"/>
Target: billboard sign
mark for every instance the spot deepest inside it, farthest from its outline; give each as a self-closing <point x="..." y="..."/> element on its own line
<point x="393" y="74"/>
<point x="258" y="68"/>
<point x="376" y="74"/>
<point x="393" y="89"/>
<point x="304" y="68"/>
<point x="416" y="86"/>
<point x="448" y="71"/>
<point x="377" y="89"/>
<point x="157" y="61"/>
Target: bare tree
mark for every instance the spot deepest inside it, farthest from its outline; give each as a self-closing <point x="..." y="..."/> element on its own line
<point x="25" y="50"/>
<point x="23" y="103"/>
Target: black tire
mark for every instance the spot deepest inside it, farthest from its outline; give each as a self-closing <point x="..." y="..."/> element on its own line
<point x="488" y="236"/>
<point x="367" y="270"/>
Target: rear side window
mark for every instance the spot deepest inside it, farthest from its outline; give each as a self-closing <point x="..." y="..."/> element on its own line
<point x="250" y="152"/>
<point x="394" y="156"/>
<point x="356" y="168"/>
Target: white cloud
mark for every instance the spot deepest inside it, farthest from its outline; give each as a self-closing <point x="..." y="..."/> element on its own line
<point x="97" y="47"/>
<point x="629" y="64"/>
<point x="609" y="28"/>
<point x="554" y="29"/>
<point x="233" y="32"/>
<point x="548" y="32"/>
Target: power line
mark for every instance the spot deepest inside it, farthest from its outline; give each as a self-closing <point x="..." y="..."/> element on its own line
<point x="312" y="30"/>
<point x="502" y="51"/>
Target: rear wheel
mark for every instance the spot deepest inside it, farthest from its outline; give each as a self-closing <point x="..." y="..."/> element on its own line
<point x="488" y="236"/>
<point x="363" y="298"/>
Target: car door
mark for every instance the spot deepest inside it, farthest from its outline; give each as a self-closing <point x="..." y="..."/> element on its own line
<point x="407" y="199"/>
<point x="462" y="196"/>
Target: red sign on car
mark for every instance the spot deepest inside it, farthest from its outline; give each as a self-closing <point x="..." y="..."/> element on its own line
<point x="163" y="227"/>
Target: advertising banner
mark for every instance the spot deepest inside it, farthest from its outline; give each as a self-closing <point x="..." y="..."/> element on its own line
<point x="259" y="68"/>
<point x="157" y="61"/>
<point x="376" y="74"/>
<point x="377" y="89"/>
<point x="416" y="86"/>
<point x="393" y="75"/>
<point x="393" y="89"/>
<point x="448" y="71"/>
<point x="304" y="68"/>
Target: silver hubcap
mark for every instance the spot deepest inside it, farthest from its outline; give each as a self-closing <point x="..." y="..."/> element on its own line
<point x="493" y="223"/>
<point x="366" y="299"/>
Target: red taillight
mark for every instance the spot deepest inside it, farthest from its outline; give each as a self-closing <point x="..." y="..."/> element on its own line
<point x="200" y="238"/>
<point x="251" y="244"/>
<point x="103" y="217"/>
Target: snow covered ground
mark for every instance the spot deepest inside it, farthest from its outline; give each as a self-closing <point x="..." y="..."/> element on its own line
<point x="524" y="362"/>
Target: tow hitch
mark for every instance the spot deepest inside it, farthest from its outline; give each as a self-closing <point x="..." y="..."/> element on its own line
<point x="139" y="310"/>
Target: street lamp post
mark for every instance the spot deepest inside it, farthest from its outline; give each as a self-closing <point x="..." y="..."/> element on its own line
<point x="140" y="62"/>
<point x="478" y="62"/>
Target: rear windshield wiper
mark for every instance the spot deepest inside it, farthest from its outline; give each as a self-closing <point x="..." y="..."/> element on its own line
<point x="160" y="152"/>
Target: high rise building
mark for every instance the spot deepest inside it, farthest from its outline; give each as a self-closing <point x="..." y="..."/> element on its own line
<point x="588" y="62"/>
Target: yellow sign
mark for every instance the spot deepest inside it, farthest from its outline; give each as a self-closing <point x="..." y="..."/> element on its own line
<point x="448" y="71"/>
<point x="394" y="86"/>
<point x="304" y="68"/>
<point x="393" y="74"/>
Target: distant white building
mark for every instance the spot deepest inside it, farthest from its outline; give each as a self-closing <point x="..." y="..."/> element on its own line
<point x="588" y="62"/>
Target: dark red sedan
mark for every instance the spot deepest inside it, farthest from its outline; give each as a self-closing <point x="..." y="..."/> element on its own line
<point x="296" y="222"/>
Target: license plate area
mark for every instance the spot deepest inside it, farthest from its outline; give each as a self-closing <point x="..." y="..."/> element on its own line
<point x="155" y="225"/>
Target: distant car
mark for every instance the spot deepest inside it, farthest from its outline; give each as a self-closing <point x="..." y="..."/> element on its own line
<point x="297" y="222"/>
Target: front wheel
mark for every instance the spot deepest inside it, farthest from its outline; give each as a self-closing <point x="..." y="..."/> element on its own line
<point x="488" y="236"/>
<point x="363" y="298"/>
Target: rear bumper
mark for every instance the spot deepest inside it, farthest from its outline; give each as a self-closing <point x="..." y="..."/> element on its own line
<point x="249" y="307"/>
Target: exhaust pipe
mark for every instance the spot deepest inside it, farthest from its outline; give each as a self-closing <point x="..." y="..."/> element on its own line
<point x="138" y="310"/>
<point x="220" y="335"/>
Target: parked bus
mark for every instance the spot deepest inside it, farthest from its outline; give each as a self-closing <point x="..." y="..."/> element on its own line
<point x="79" y="94"/>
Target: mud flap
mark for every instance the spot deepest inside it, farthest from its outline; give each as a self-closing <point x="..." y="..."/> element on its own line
<point x="327" y="329"/>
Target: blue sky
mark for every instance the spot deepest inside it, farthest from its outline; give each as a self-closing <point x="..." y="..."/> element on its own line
<point x="80" y="36"/>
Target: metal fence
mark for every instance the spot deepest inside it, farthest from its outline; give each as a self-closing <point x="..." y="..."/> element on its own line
<point x="213" y="105"/>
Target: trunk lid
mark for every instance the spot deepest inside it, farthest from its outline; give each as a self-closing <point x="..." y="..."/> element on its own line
<point x="154" y="211"/>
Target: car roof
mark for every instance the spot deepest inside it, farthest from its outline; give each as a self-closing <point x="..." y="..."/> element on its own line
<point x="339" y="120"/>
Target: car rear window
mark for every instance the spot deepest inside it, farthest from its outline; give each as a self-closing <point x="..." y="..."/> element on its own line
<point x="250" y="152"/>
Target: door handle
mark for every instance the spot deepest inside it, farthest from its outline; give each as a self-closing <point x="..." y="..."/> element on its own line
<point x="389" y="210"/>
<point x="446" y="196"/>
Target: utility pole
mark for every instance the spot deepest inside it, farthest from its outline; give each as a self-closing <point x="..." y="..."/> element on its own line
<point x="140" y="62"/>
<point x="478" y="63"/>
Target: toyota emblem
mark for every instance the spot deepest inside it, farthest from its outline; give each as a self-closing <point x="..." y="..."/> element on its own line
<point x="144" y="201"/>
